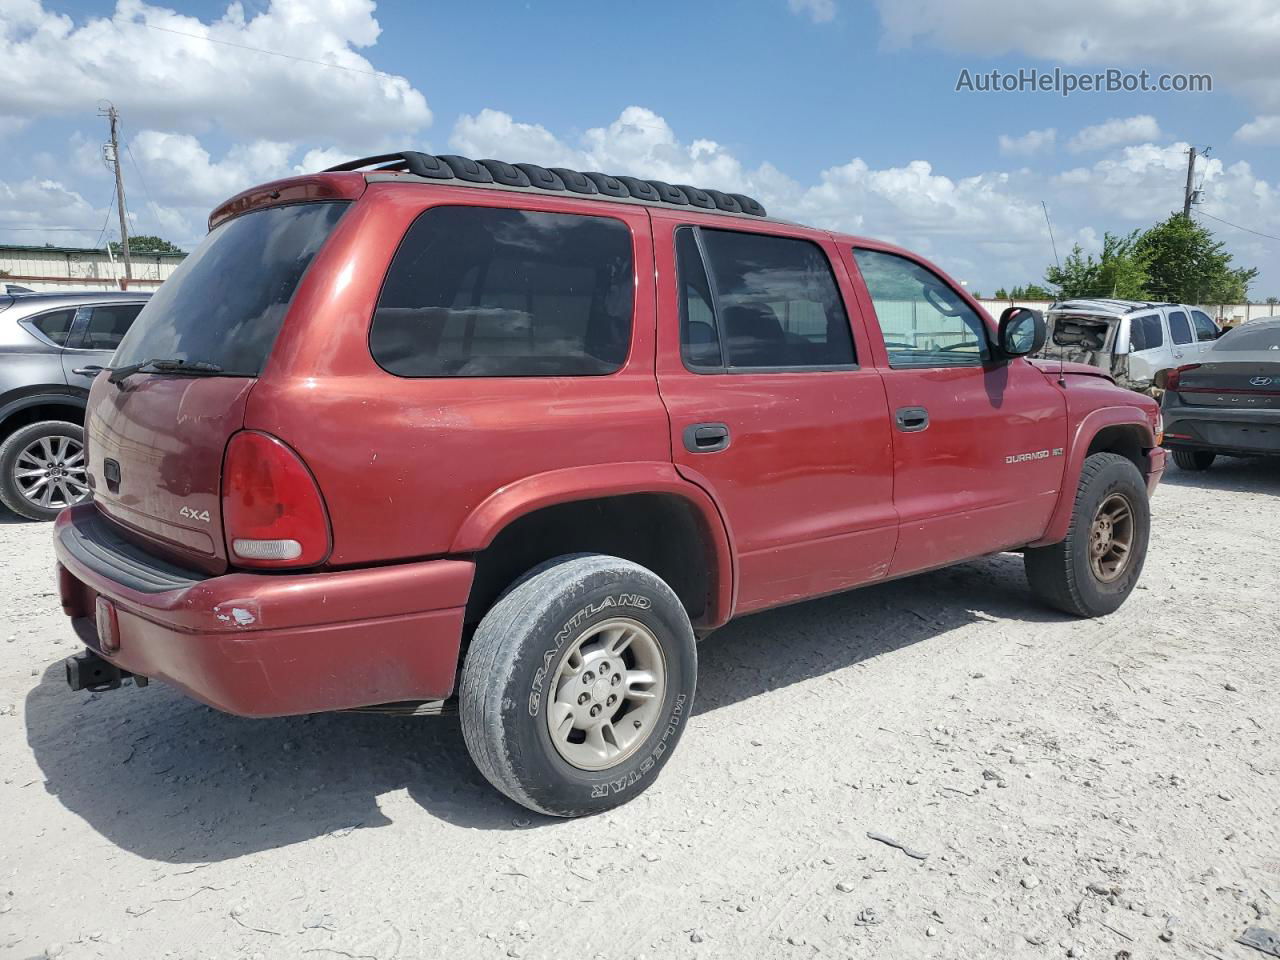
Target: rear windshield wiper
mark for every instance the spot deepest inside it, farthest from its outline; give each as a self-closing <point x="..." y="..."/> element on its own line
<point x="193" y="367"/>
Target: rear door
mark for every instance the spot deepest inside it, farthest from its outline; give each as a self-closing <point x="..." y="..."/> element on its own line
<point x="1180" y="335"/>
<point x="98" y="330"/>
<point x="156" y="441"/>
<point x="773" y="407"/>
<point x="977" y="444"/>
<point x="1148" y="346"/>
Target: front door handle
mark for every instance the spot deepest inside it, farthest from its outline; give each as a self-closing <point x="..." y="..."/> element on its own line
<point x="706" y="437"/>
<point x="92" y="370"/>
<point x="912" y="419"/>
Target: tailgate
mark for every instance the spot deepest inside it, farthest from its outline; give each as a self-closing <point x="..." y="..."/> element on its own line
<point x="155" y="460"/>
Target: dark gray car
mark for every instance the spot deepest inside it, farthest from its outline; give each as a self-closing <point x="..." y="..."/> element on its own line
<point x="46" y="339"/>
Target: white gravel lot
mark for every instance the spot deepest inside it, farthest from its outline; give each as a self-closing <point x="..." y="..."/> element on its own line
<point x="1085" y="789"/>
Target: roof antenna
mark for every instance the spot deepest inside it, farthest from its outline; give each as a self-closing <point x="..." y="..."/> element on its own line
<point x="1062" y="374"/>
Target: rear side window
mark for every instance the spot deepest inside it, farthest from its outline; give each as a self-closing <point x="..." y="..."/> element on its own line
<point x="108" y="324"/>
<point x="56" y="326"/>
<point x="1145" y="332"/>
<point x="1179" y="327"/>
<point x="227" y="300"/>
<point x="491" y="292"/>
<point x="1206" y="329"/>
<point x="756" y="301"/>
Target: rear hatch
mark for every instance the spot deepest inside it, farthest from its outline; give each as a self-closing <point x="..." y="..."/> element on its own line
<point x="1080" y="337"/>
<point x="156" y="439"/>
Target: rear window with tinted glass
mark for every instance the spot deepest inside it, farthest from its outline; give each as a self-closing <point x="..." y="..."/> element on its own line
<point x="1261" y="337"/>
<point x="225" y="303"/>
<point x="492" y="292"/>
<point x="1145" y="332"/>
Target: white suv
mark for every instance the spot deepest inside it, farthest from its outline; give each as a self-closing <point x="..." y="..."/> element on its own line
<point x="1130" y="339"/>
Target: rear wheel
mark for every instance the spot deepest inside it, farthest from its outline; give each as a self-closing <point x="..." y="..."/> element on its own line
<point x="43" y="470"/>
<point x="1194" y="459"/>
<point x="1096" y="567"/>
<point x="578" y="684"/>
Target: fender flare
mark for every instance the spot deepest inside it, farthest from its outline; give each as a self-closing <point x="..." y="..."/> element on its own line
<point x="1086" y="430"/>
<point x="42" y="399"/>
<point x="592" y="482"/>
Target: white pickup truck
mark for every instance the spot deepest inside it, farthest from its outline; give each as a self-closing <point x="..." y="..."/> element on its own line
<point x="1130" y="339"/>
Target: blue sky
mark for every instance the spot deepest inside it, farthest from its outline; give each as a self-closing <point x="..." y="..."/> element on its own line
<point x="834" y="112"/>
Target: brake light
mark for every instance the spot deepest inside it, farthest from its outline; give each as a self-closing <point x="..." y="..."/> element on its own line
<point x="1172" y="377"/>
<point x="272" y="510"/>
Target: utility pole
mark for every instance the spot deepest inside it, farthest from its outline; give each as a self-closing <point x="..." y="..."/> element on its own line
<point x="1189" y="193"/>
<point x="113" y="157"/>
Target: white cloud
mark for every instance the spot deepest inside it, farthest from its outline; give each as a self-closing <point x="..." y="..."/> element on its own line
<point x="819" y="11"/>
<point x="37" y="210"/>
<point x="176" y="72"/>
<point x="1031" y="142"/>
<point x="1264" y="130"/>
<point x="1234" y="40"/>
<point x="1116" y="132"/>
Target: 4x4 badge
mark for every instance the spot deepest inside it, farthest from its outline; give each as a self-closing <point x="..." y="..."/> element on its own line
<point x="201" y="515"/>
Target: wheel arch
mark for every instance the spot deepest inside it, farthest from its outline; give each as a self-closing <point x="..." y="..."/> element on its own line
<point x="1124" y="430"/>
<point x="32" y="408"/>
<point x="608" y="508"/>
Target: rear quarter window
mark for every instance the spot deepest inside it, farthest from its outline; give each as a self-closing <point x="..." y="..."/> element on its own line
<point x="494" y="292"/>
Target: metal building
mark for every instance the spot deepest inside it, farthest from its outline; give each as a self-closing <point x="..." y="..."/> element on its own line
<point x="49" y="268"/>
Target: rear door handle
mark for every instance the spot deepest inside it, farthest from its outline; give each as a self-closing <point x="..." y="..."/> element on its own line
<point x="92" y="370"/>
<point x="706" y="437"/>
<point x="912" y="419"/>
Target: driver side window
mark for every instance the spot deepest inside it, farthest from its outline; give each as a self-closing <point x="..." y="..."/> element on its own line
<point x="924" y="321"/>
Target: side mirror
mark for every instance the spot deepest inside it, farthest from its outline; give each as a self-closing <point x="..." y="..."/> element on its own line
<point x="1161" y="379"/>
<point x="1022" y="331"/>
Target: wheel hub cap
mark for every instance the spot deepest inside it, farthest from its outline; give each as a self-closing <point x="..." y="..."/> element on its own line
<point x="609" y="689"/>
<point x="1111" y="538"/>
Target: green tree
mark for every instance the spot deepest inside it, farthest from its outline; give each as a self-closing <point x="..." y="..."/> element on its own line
<point x="1187" y="265"/>
<point x="1121" y="271"/>
<point x="1272" y="301"/>
<point x="145" y="243"/>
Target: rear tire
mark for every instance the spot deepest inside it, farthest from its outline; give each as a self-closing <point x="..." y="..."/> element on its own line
<point x="1083" y="575"/>
<point x="1194" y="459"/>
<point x="60" y="445"/>
<point x="580" y="644"/>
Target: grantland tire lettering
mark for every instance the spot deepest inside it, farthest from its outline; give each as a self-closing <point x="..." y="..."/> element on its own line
<point x="570" y="629"/>
<point x="622" y="783"/>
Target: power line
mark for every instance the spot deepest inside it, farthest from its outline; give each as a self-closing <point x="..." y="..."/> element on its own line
<point x="1256" y="233"/>
<point x="245" y="46"/>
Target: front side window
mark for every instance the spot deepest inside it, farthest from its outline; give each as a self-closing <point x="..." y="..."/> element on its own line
<point x="751" y="301"/>
<point x="492" y="292"/>
<point x="1179" y="327"/>
<point x="1206" y="329"/>
<point x="56" y="325"/>
<point x="108" y="323"/>
<point x="1145" y="332"/>
<point x="924" y="321"/>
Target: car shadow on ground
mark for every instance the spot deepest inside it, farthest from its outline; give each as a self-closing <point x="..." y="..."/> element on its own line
<point x="168" y="779"/>
<point x="7" y="517"/>
<point x="1230" y="475"/>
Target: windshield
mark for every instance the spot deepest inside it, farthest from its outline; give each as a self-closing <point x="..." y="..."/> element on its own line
<point x="225" y="303"/>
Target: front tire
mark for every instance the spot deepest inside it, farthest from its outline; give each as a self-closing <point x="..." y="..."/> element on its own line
<point x="1093" y="571"/>
<point x="43" y="470"/>
<point x="1194" y="459"/>
<point x="578" y="684"/>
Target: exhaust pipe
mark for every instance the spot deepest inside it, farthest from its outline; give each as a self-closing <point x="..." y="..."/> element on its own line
<point x="88" y="671"/>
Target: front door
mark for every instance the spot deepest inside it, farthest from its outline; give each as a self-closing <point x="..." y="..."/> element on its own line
<point x="774" y="409"/>
<point x="978" y="444"/>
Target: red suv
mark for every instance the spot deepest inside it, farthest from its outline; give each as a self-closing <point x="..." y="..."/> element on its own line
<point x="448" y="428"/>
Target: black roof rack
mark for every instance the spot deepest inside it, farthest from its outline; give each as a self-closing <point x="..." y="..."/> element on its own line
<point x="554" y="180"/>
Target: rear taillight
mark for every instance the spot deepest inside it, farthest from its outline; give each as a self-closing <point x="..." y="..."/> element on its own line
<point x="1172" y="376"/>
<point x="272" y="510"/>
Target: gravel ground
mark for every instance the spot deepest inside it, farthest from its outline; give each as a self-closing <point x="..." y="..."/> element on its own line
<point x="1082" y="789"/>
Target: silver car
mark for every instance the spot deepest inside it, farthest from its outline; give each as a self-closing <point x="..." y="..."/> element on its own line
<point x="47" y="342"/>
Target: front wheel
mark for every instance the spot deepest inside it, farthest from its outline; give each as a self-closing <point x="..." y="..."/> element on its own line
<point x="1093" y="571"/>
<point x="1194" y="459"/>
<point x="577" y="685"/>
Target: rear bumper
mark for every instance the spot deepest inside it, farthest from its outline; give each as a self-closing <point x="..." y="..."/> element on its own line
<point x="268" y="644"/>
<point x="1223" y="430"/>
